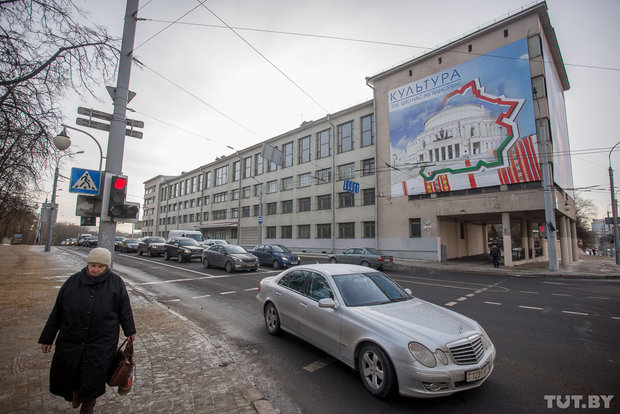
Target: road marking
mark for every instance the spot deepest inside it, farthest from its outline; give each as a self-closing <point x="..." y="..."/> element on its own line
<point x="576" y="313"/>
<point x="531" y="293"/>
<point x="461" y="299"/>
<point x="616" y="318"/>
<point x="560" y="294"/>
<point x="493" y="303"/>
<point x="251" y="289"/>
<point x="530" y="307"/>
<point x="228" y="293"/>
<point x="201" y="296"/>
<point x="470" y="295"/>
<point x="178" y="315"/>
<point x="318" y="364"/>
<point x="450" y="303"/>
<point x="598" y="297"/>
<point x="172" y="300"/>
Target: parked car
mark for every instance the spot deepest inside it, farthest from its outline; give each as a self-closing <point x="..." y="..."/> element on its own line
<point x="211" y="242"/>
<point x="117" y="242"/>
<point x="396" y="342"/>
<point x="72" y="241"/>
<point x="128" y="245"/>
<point x="183" y="248"/>
<point x="82" y="237"/>
<point x="91" y="241"/>
<point x="153" y="246"/>
<point x="364" y="256"/>
<point x="275" y="255"/>
<point x="230" y="257"/>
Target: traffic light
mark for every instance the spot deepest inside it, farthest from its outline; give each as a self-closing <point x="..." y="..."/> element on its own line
<point x="114" y="195"/>
<point x="542" y="231"/>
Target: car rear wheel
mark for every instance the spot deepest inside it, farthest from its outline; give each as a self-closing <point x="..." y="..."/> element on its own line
<point x="179" y="258"/>
<point x="275" y="264"/>
<point x="272" y="319"/>
<point x="139" y="252"/>
<point x="205" y="263"/>
<point x="333" y="260"/>
<point x="166" y="255"/>
<point x="376" y="371"/>
<point x="365" y="263"/>
<point x="229" y="267"/>
<point x="151" y="253"/>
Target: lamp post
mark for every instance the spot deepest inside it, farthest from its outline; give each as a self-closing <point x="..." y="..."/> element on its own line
<point x="62" y="141"/>
<point x="53" y="208"/>
<point x="614" y="207"/>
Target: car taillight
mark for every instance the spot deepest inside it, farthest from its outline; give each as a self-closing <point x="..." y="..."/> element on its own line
<point x="380" y="259"/>
<point x="259" y="284"/>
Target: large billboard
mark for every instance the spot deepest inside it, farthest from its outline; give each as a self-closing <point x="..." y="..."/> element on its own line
<point x="468" y="126"/>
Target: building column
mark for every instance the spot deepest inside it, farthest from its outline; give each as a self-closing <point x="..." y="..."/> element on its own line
<point x="564" y="245"/>
<point x="573" y="231"/>
<point x="525" y="240"/>
<point x="507" y="239"/>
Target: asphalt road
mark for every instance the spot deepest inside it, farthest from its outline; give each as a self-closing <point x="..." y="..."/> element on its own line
<point x="554" y="337"/>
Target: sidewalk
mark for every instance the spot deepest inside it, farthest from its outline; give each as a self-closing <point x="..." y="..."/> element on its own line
<point x="180" y="369"/>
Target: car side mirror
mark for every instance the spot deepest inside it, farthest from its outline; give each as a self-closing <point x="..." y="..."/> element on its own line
<point x="409" y="292"/>
<point x="327" y="303"/>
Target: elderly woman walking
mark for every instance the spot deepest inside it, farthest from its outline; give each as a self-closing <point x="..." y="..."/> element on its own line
<point x="90" y="307"/>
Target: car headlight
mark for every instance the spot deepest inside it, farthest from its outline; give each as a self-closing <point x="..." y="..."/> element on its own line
<point x="236" y="259"/>
<point x="486" y="341"/>
<point x="285" y="259"/>
<point x="422" y="354"/>
<point x="441" y="356"/>
<point x="186" y="251"/>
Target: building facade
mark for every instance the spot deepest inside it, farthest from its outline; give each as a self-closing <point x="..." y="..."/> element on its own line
<point x="453" y="144"/>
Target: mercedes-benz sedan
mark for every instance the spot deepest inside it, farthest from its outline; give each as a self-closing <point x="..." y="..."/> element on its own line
<point x="395" y="341"/>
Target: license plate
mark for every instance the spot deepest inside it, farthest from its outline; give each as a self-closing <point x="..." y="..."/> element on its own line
<point x="477" y="374"/>
<point x="294" y="262"/>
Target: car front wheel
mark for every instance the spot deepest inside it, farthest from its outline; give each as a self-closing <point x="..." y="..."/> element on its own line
<point x="205" y="263"/>
<point x="229" y="267"/>
<point x="139" y="252"/>
<point x="179" y="258"/>
<point x="376" y="371"/>
<point x="272" y="319"/>
<point x="166" y="255"/>
<point x="275" y="264"/>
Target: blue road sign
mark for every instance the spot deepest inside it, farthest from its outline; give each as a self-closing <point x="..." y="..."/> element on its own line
<point x="85" y="181"/>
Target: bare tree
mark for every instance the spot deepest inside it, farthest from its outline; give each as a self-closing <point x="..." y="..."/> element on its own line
<point x="585" y="212"/>
<point x="47" y="47"/>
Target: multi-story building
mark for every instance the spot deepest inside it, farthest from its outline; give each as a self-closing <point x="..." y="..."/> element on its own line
<point x="461" y="144"/>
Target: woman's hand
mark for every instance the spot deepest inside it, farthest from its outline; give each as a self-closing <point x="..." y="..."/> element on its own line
<point x="46" y="348"/>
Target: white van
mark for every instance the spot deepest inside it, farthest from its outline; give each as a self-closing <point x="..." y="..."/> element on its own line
<point x="193" y="234"/>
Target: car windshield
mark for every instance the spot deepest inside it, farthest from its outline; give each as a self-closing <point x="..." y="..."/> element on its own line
<point x="233" y="249"/>
<point x="157" y="240"/>
<point x="188" y="242"/>
<point x="197" y="237"/>
<point x="131" y="241"/>
<point x="280" y="249"/>
<point x="373" y="288"/>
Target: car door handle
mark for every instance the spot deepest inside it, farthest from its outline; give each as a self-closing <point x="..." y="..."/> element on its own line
<point x="278" y="293"/>
<point x="303" y="304"/>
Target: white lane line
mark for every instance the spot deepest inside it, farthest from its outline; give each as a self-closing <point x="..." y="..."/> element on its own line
<point x="201" y="296"/>
<point x="530" y="307"/>
<point x="318" y="364"/>
<point x="450" y="303"/>
<point x="616" y="318"/>
<point x="493" y="303"/>
<point x="461" y="299"/>
<point x="576" y="313"/>
<point x="598" y="297"/>
<point x="230" y="292"/>
<point x="560" y="294"/>
<point x="178" y="315"/>
<point x="171" y="300"/>
<point x="250" y="289"/>
<point x="531" y="293"/>
<point x="470" y="295"/>
<point x="159" y="282"/>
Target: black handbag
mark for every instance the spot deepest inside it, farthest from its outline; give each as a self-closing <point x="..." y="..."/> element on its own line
<point x="123" y="364"/>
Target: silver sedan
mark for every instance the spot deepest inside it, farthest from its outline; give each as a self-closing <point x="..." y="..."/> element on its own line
<point x="363" y="318"/>
<point x="364" y="256"/>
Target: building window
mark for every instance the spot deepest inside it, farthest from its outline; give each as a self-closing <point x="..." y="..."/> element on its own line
<point x="219" y="214"/>
<point x="256" y="210"/>
<point x="345" y="137"/>
<point x="245" y="211"/>
<point x="205" y="216"/>
<point x="209" y="179"/>
<point x="346" y="171"/>
<point x="304" y="150"/>
<point x="324" y="176"/>
<point x="304" y="180"/>
<point x="346" y="230"/>
<point x="323" y="148"/>
<point x="287" y="183"/>
<point x="234" y="212"/>
<point x="286" y="232"/>
<point x="258" y="164"/>
<point x="368" y="130"/>
<point x="235" y="194"/>
<point x="271" y="232"/>
<point x="271" y="166"/>
<point x="415" y="228"/>
<point x="220" y="198"/>
<point x="324" y="202"/>
<point x="368" y="166"/>
<point x="303" y="204"/>
<point x="258" y="189"/>
<point x="272" y="208"/>
<point x="206" y="200"/>
<point x="323" y="231"/>
<point x="287" y="206"/>
<point x="368" y="229"/>
<point x="191" y="218"/>
<point x="247" y="191"/>
<point x="272" y="186"/>
<point x="237" y="170"/>
<point x="369" y="196"/>
<point x="287" y="150"/>
<point x="221" y="175"/>
<point x="346" y="199"/>
<point x="303" y="231"/>
<point x="247" y="167"/>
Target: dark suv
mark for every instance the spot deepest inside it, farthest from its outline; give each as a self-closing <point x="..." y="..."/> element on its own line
<point x="183" y="248"/>
<point x="153" y="246"/>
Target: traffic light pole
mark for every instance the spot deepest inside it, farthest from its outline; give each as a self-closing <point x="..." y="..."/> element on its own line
<point x="116" y="140"/>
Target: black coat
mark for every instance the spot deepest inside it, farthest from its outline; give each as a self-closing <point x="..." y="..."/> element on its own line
<point x="86" y="316"/>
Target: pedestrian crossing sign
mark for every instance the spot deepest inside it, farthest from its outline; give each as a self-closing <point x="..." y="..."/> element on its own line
<point x="85" y="181"/>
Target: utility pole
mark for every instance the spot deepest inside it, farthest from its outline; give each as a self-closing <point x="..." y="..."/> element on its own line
<point x="614" y="207"/>
<point x="548" y="195"/>
<point x="116" y="140"/>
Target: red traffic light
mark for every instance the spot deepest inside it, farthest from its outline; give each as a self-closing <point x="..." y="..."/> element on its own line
<point x="119" y="183"/>
<point x="542" y="228"/>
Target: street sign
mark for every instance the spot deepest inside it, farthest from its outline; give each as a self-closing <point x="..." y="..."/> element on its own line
<point x="88" y="221"/>
<point x="93" y="113"/>
<point x="106" y="127"/>
<point x="85" y="181"/>
<point x="351" y="186"/>
<point x="88" y="206"/>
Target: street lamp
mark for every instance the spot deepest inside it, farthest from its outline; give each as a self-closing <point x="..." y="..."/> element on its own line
<point x="62" y="141"/>
<point x="614" y="207"/>
<point x="50" y="219"/>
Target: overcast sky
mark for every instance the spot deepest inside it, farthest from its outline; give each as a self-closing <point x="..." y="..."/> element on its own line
<point x="204" y="87"/>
